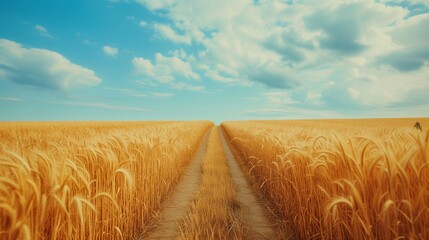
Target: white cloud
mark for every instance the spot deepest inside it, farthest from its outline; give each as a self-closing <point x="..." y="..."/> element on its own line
<point x="134" y="93"/>
<point x="11" y="99"/>
<point x="188" y="87"/>
<point x="175" y="65"/>
<point x="143" y="67"/>
<point x="424" y="2"/>
<point x="165" y="68"/>
<point x="406" y="2"/>
<point x="205" y="14"/>
<point x="279" y="98"/>
<point x="289" y="113"/>
<point x="143" y="24"/>
<point x="412" y="48"/>
<point x="353" y="92"/>
<point x="156" y="4"/>
<point x="330" y="54"/>
<point x="216" y="76"/>
<point x="42" y="68"/>
<point x="88" y="42"/>
<point x="127" y="92"/>
<point x="110" y="51"/>
<point x="169" y="71"/>
<point x="102" y="106"/>
<point x="167" y="32"/>
<point x="163" y="95"/>
<point x="314" y="97"/>
<point x="43" y="31"/>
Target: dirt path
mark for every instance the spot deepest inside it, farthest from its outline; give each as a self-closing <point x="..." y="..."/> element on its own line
<point x="176" y="206"/>
<point x="258" y="225"/>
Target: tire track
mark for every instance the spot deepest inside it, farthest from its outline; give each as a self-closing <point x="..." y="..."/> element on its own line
<point x="257" y="223"/>
<point x="215" y="212"/>
<point x="175" y="208"/>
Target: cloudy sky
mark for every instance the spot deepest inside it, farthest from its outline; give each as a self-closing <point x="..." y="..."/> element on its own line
<point x="213" y="59"/>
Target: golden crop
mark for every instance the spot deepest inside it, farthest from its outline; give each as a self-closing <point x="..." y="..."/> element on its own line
<point x="89" y="180"/>
<point x="332" y="179"/>
<point x="340" y="179"/>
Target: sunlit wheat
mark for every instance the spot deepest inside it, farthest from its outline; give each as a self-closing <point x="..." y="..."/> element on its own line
<point x="340" y="179"/>
<point x="89" y="180"/>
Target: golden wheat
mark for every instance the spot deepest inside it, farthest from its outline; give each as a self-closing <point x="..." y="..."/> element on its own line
<point x="89" y="180"/>
<point x="340" y="179"/>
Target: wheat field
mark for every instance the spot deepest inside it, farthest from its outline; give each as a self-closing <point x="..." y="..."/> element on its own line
<point x="89" y="180"/>
<point x="340" y="179"/>
<point x="313" y="179"/>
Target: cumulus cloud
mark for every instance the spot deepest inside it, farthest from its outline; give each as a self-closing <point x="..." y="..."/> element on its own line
<point x="170" y="71"/>
<point x="164" y="69"/>
<point x="166" y="32"/>
<point x="290" y="53"/>
<point x="42" y="68"/>
<point x="340" y="29"/>
<point x="412" y="52"/>
<point x="143" y="66"/>
<point x="276" y="78"/>
<point x="110" y="51"/>
<point x="327" y="54"/>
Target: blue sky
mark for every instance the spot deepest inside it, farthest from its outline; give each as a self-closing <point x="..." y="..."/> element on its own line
<point x="214" y="59"/>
